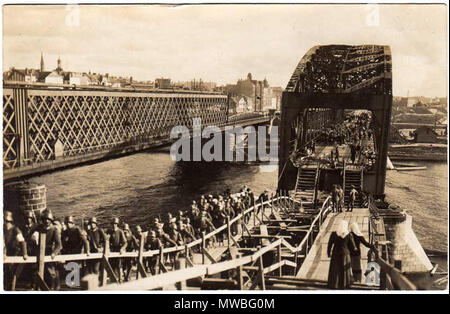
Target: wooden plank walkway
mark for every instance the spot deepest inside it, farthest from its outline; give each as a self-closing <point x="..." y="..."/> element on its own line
<point x="316" y="264"/>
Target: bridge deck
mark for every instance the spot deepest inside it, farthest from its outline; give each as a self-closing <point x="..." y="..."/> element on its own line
<point x="316" y="264"/>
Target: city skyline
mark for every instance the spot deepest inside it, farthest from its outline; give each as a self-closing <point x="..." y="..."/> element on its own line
<point x="223" y="43"/>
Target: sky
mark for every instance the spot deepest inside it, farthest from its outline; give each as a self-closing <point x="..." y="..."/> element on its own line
<point x="222" y="43"/>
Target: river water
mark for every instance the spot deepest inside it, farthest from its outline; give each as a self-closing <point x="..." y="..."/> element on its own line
<point x="143" y="185"/>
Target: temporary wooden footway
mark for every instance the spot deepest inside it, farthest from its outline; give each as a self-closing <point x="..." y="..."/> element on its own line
<point x="317" y="263"/>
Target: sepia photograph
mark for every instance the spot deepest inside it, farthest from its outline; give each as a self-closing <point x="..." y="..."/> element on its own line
<point x="229" y="147"/>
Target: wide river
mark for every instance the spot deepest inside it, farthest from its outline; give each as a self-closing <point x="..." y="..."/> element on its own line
<point x="143" y="185"/>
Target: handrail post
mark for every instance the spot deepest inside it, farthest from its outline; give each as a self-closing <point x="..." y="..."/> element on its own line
<point x="104" y="274"/>
<point x="186" y="253"/>
<point x="203" y="247"/>
<point x="271" y="207"/>
<point x="280" y="270"/>
<point x="240" y="274"/>
<point x="229" y="233"/>
<point x="41" y="256"/>
<point x="261" y="273"/>
<point x="262" y="211"/>
<point x="141" y="250"/>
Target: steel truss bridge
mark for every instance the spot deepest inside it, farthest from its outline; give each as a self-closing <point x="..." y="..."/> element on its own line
<point x="92" y="123"/>
<point x="326" y="81"/>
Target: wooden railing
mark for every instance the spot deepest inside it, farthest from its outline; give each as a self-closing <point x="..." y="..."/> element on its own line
<point x="177" y="276"/>
<point x="284" y="203"/>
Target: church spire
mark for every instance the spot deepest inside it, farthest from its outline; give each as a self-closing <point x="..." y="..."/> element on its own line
<point x="42" y="62"/>
<point x="59" y="63"/>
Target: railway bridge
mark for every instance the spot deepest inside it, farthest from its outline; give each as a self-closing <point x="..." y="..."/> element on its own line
<point x="327" y="81"/>
<point x="49" y="127"/>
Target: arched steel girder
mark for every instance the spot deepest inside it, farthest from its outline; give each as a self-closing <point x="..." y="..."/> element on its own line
<point x="339" y="77"/>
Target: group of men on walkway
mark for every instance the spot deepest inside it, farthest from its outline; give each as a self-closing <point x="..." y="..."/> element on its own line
<point x="203" y="216"/>
<point x="338" y="199"/>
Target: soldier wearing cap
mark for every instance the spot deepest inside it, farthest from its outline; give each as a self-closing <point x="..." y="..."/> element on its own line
<point x="132" y="245"/>
<point x="30" y="224"/>
<point x="251" y="195"/>
<point x="14" y="244"/>
<point x="52" y="247"/>
<point x="169" y="219"/>
<point x="152" y="243"/>
<point x="156" y="224"/>
<point x="97" y="239"/>
<point x="189" y="228"/>
<point x="118" y="243"/>
<point x="165" y="238"/>
<point x="176" y="237"/>
<point x="264" y="197"/>
<point x="74" y="240"/>
<point x="138" y="234"/>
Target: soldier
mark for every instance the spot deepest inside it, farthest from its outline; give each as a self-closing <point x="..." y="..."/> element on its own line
<point x="165" y="239"/>
<point x="189" y="228"/>
<point x="202" y="202"/>
<point x="264" y="197"/>
<point x="52" y="247"/>
<point x="74" y="240"/>
<point x="169" y="219"/>
<point x="206" y="225"/>
<point x="97" y="239"/>
<point x="251" y="195"/>
<point x="138" y="234"/>
<point x="156" y="224"/>
<point x="131" y="247"/>
<point x="180" y="216"/>
<point x="153" y="243"/>
<point x="30" y="224"/>
<point x="14" y="245"/>
<point x="176" y="236"/>
<point x="352" y="198"/>
<point x="118" y="243"/>
<point x="186" y="234"/>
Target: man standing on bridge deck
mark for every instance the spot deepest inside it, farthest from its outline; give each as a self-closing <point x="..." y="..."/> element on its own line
<point x="352" y="198"/>
<point x="132" y="245"/>
<point x="52" y="247"/>
<point x="152" y="243"/>
<point x="118" y="243"/>
<point x="97" y="239"/>
<point x="73" y="239"/>
<point x="264" y="197"/>
<point x="14" y="244"/>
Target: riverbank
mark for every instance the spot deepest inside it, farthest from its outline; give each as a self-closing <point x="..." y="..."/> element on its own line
<point x="418" y="152"/>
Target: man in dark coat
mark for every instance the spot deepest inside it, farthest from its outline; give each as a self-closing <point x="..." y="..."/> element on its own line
<point x="52" y="247"/>
<point x="14" y="245"/>
<point x="118" y="243"/>
<point x="74" y="240"/>
<point x="97" y="239"/>
<point x="152" y="243"/>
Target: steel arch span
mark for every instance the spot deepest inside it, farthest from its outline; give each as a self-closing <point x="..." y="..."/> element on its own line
<point x="328" y="80"/>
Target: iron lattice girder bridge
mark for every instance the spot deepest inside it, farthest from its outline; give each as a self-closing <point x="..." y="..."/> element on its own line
<point x="96" y="122"/>
<point x="328" y="80"/>
<point x="344" y="69"/>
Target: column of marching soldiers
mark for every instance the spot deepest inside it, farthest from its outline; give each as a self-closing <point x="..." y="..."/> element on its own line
<point x="203" y="216"/>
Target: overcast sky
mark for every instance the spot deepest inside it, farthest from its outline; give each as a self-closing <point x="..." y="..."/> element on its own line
<point x="222" y="43"/>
